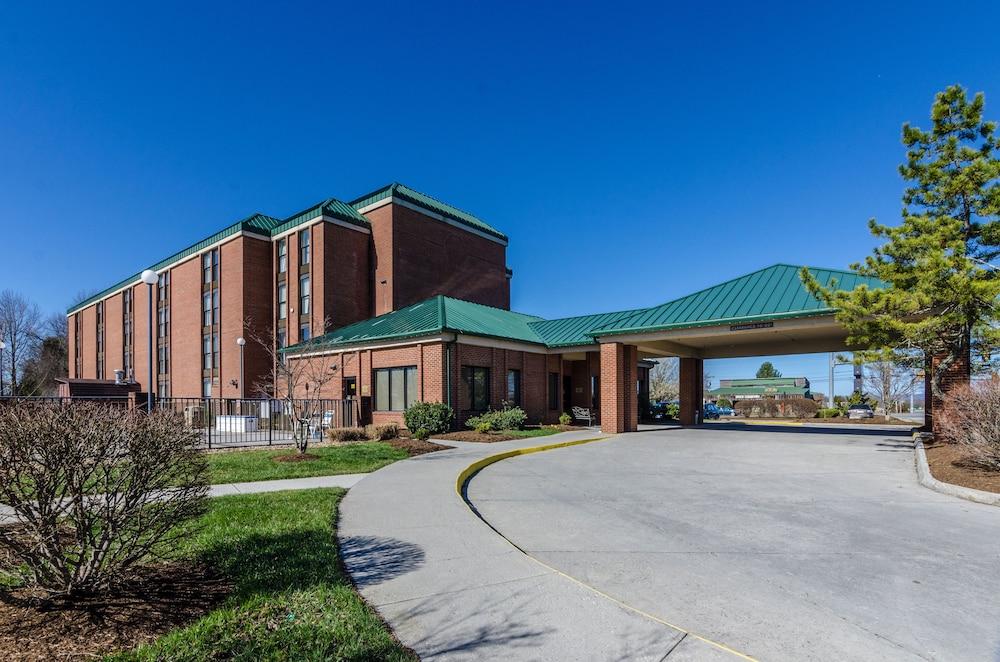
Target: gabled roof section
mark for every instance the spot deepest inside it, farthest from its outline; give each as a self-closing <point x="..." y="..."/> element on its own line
<point x="397" y="190"/>
<point x="571" y="331"/>
<point x="255" y="224"/>
<point x="432" y="316"/>
<point x="774" y="292"/>
<point x="331" y="208"/>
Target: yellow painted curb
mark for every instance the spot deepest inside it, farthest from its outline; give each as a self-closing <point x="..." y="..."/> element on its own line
<point x="479" y="465"/>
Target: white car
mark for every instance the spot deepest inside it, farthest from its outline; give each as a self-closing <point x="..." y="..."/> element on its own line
<point x="860" y="411"/>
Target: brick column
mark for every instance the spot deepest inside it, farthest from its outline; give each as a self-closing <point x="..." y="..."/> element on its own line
<point x="957" y="374"/>
<point x="692" y="390"/>
<point x="619" y="409"/>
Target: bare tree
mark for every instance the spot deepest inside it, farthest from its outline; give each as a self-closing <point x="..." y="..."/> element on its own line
<point x="664" y="380"/>
<point x="20" y="322"/>
<point x="890" y="377"/>
<point x="301" y="380"/>
<point x="48" y="359"/>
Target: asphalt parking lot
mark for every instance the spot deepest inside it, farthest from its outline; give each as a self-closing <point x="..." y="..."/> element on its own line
<point x="781" y="543"/>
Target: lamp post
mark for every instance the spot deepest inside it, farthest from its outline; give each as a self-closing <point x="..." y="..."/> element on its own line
<point x="3" y="346"/>
<point x="241" y="341"/>
<point x="149" y="278"/>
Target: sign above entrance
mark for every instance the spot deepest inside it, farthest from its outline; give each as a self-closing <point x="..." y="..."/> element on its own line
<point x="751" y="325"/>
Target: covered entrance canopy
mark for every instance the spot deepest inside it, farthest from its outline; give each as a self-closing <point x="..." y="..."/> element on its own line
<point x="765" y="312"/>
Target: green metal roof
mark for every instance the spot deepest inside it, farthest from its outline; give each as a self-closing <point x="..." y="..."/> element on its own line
<point x="758" y="390"/>
<point x="261" y="224"/>
<point x="397" y="190"/>
<point x="571" y="331"/>
<point x="432" y="316"/>
<point x="770" y="293"/>
<point x="774" y="292"/>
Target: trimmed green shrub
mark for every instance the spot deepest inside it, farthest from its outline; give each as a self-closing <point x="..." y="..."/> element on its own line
<point x="430" y="417"/>
<point x="828" y="412"/>
<point x="382" y="432"/>
<point x="509" y="418"/>
<point x="565" y="419"/>
<point x="482" y="427"/>
<point x="347" y="434"/>
<point x="420" y="434"/>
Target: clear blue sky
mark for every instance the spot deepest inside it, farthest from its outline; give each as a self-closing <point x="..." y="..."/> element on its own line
<point x="711" y="141"/>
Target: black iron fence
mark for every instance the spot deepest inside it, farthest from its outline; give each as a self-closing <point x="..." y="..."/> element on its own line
<point x="230" y="423"/>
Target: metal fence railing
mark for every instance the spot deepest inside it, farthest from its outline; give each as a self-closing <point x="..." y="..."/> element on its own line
<point x="230" y="423"/>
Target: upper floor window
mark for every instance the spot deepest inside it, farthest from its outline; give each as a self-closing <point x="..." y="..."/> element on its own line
<point x="305" y="295"/>
<point x="282" y="256"/>
<point x="282" y="301"/>
<point x="304" y="333"/>
<point x="304" y="247"/>
<point x="210" y="266"/>
<point x="163" y="286"/>
<point x="206" y="309"/>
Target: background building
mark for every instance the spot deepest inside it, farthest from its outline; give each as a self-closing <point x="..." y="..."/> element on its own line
<point x="755" y="389"/>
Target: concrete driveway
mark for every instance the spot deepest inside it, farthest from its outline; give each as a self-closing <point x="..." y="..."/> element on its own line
<point x="782" y="543"/>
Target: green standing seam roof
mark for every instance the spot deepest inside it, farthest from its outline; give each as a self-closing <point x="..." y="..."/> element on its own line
<point x="398" y="190"/>
<point x="266" y="226"/>
<point x="436" y="315"/>
<point x="774" y="292"/>
<point x="757" y="390"/>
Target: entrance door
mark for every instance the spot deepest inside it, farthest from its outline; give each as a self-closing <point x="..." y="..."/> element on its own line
<point x="350" y="387"/>
<point x="567" y="393"/>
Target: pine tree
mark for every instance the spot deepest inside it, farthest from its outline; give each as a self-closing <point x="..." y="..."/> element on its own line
<point x="767" y="371"/>
<point x="941" y="291"/>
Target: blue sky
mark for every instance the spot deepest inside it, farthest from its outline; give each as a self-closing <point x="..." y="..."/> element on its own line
<point x="710" y="141"/>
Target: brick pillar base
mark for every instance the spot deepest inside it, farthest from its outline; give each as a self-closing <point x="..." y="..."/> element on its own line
<point x="957" y="374"/>
<point x="619" y="402"/>
<point x="692" y="390"/>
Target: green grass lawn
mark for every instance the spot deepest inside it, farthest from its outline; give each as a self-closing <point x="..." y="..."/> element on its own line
<point x="245" y="466"/>
<point x="291" y="599"/>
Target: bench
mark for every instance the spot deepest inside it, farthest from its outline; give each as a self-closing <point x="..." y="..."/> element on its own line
<point x="584" y="414"/>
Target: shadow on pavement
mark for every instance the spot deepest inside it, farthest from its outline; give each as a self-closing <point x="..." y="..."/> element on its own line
<point x="372" y="560"/>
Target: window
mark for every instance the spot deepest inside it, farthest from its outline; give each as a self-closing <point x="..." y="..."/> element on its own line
<point x="304" y="333"/>
<point x="162" y="361"/>
<point x="595" y="392"/>
<point x="282" y="256"/>
<point x="206" y="268"/>
<point x="281" y="338"/>
<point x="395" y="388"/>
<point x="100" y="340"/>
<point x="304" y="247"/>
<point x="206" y="352"/>
<point x="282" y="301"/>
<point x="163" y="388"/>
<point x="553" y="390"/>
<point x="215" y="306"/>
<point x="127" y="333"/>
<point x="206" y="388"/>
<point x="514" y="387"/>
<point x="215" y="265"/>
<point x="163" y="286"/>
<point x="78" y="354"/>
<point x="477" y="388"/>
<point x="215" y="350"/>
<point x="304" y="295"/>
<point x="206" y="309"/>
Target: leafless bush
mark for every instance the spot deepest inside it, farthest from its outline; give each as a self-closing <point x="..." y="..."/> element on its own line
<point x="971" y="416"/>
<point x="773" y="408"/>
<point x="95" y="490"/>
<point x="347" y="434"/>
<point x="383" y="432"/>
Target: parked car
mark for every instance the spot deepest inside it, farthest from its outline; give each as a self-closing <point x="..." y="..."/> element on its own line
<point x="860" y="411"/>
<point x="710" y="411"/>
<point x="725" y="411"/>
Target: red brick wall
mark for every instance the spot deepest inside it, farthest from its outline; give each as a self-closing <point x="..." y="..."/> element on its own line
<point x="71" y="342"/>
<point x="88" y="341"/>
<point x="534" y="380"/>
<point x="258" y="312"/>
<point x="692" y="390"/>
<point x="113" y="358"/>
<point x="420" y="257"/>
<point x="958" y="374"/>
<point x="619" y="406"/>
<point x="345" y="263"/>
<point x="185" y="329"/>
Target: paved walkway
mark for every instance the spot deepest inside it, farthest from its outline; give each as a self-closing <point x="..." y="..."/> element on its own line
<point x="451" y="588"/>
<point x="786" y="543"/>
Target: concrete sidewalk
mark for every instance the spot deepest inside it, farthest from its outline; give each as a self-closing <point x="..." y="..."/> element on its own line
<point x="451" y="588"/>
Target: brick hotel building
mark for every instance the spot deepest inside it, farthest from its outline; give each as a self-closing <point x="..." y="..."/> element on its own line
<point x="408" y="298"/>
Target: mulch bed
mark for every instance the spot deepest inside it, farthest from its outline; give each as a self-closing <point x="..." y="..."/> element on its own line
<point x="162" y="598"/>
<point x="415" y="446"/>
<point x="493" y="437"/>
<point x="295" y="457"/>
<point x="951" y="463"/>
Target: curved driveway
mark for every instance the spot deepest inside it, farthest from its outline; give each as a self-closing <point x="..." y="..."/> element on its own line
<point x="783" y="543"/>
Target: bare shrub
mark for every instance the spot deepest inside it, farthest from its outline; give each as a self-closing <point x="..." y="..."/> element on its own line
<point x="971" y="416"/>
<point x="383" y="432"/>
<point x="347" y="434"/>
<point x="95" y="491"/>
<point x="773" y="408"/>
<point x="799" y="407"/>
